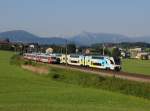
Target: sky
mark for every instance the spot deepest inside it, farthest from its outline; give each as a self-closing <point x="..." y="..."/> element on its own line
<point x="69" y="17"/>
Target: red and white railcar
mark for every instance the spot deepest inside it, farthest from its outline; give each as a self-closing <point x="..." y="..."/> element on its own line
<point x="41" y="57"/>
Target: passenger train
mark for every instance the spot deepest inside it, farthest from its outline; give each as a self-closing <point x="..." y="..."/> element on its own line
<point x="94" y="61"/>
<point x="41" y="57"/>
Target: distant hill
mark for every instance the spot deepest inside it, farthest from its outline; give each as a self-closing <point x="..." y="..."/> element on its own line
<point x="141" y="39"/>
<point x="26" y="37"/>
<point x="84" y="38"/>
<point x="87" y="38"/>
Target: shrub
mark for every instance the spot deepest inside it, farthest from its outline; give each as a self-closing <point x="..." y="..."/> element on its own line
<point x="106" y="83"/>
<point x="16" y="59"/>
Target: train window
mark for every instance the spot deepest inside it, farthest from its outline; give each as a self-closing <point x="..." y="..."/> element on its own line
<point x="74" y="61"/>
<point x="97" y="57"/>
<point x="58" y="55"/>
<point x="111" y="62"/>
<point x="97" y="64"/>
<point x="74" y="56"/>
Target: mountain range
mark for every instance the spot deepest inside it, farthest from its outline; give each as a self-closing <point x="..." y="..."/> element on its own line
<point x="27" y="37"/>
<point x="84" y="38"/>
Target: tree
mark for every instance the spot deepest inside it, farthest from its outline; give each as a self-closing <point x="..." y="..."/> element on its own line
<point x="107" y="52"/>
<point x="116" y="55"/>
<point x="71" y="48"/>
<point x="7" y="40"/>
<point x="116" y="52"/>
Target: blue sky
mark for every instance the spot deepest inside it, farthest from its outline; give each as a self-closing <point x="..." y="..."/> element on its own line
<point x="69" y="17"/>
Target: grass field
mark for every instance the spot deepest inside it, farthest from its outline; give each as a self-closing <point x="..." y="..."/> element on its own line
<point x="22" y="90"/>
<point x="136" y="66"/>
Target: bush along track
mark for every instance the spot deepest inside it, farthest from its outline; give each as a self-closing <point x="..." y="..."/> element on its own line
<point x="87" y="80"/>
<point x="107" y="83"/>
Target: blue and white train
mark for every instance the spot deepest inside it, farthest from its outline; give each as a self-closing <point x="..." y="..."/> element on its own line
<point x="101" y="62"/>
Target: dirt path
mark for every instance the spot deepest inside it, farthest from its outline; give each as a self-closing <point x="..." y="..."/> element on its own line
<point x="36" y="69"/>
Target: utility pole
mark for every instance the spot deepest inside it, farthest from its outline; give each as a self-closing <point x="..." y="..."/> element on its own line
<point x="77" y="50"/>
<point x="61" y="50"/>
<point x="103" y="50"/>
<point x="66" y="53"/>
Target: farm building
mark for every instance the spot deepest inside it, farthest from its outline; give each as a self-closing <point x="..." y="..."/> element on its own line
<point x="49" y="50"/>
<point x="138" y="53"/>
<point x="134" y="52"/>
<point x="5" y="44"/>
<point x="143" y="55"/>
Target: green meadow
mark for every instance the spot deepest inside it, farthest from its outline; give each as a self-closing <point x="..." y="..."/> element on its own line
<point x="136" y="66"/>
<point x="22" y="90"/>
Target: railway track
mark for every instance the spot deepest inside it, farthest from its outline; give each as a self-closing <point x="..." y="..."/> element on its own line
<point x="120" y="74"/>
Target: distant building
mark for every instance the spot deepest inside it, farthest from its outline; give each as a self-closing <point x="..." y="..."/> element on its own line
<point x="5" y="44"/>
<point x="149" y="56"/>
<point x="87" y="51"/>
<point x="134" y="52"/>
<point x="49" y="50"/>
<point x="138" y="53"/>
<point x="31" y="47"/>
<point x="125" y="54"/>
<point x="143" y="55"/>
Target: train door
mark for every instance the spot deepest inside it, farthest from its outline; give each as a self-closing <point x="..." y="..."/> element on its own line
<point x="49" y="60"/>
<point x="87" y="61"/>
<point x="81" y="59"/>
